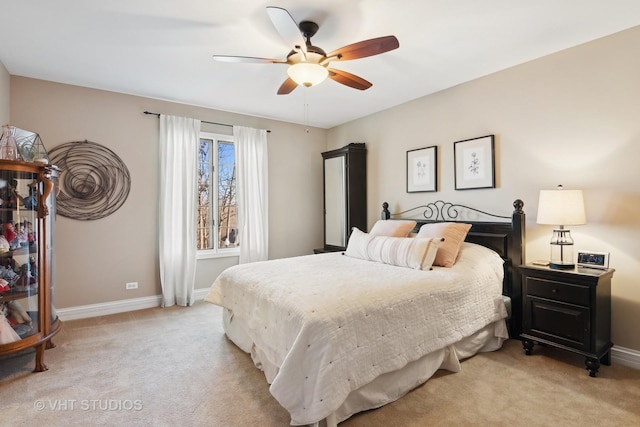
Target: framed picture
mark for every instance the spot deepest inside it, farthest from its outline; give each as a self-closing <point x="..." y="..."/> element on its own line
<point x="474" y="163"/>
<point x="422" y="170"/>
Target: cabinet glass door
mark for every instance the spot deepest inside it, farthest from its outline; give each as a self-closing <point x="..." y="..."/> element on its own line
<point x="19" y="251"/>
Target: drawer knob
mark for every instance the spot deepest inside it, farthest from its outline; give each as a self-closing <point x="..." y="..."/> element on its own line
<point x="554" y="290"/>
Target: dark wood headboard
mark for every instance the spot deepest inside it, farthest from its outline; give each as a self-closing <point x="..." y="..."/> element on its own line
<point x="507" y="238"/>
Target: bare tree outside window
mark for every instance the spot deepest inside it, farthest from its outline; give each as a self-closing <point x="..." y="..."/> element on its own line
<point x="217" y="193"/>
<point x="227" y="211"/>
<point x="205" y="167"/>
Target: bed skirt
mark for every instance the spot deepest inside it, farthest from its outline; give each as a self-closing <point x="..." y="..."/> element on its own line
<point x="387" y="387"/>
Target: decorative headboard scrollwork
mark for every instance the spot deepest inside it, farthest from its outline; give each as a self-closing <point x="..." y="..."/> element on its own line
<point x="447" y="211"/>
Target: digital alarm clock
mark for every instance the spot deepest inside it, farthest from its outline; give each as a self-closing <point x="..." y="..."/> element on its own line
<point x="591" y="259"/>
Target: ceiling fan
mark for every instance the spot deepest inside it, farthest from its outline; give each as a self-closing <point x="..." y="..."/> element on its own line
<point x="308" y="64"/>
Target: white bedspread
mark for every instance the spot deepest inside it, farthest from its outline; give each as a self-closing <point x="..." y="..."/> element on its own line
<point x="334" y="323"/>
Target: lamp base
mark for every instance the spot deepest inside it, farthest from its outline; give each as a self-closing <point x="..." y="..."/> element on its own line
<point x="561" y="250"/>
<point x="561" y="265"/>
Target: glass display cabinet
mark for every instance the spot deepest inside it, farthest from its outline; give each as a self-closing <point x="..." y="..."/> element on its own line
<point x="27" y="212"/>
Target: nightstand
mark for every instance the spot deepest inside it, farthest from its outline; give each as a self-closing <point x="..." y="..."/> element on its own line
<point x="328" y="249"/>
<point x="568" y="309"/>
<point x="322" y="251"/>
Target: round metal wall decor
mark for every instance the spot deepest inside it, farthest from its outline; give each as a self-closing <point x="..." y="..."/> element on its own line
<point x="94" y="181"/>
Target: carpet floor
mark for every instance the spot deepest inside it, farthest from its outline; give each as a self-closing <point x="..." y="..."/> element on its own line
<point x="174" y="366"/>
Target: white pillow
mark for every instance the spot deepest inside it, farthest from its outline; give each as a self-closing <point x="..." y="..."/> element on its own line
<point x="392" y="228"/>
<point x="416" y="253"/>
<point x="473" y="253"/>
<point x="358" y="244"/>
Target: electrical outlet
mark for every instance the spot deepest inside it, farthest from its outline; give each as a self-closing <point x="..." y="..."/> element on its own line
<point x="131" y="285"/>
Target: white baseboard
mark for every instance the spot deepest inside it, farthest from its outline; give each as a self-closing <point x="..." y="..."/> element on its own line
<point x="115" y="307"/>
<point x="621" y="355"/>
<point x="625" y="356"/>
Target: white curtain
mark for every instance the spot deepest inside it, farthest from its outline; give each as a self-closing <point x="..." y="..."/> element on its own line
<point x="179" y="138"/>
<point x="252" y="193"/>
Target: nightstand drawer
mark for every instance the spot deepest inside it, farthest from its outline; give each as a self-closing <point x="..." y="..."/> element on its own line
<point x="558" y="291"/>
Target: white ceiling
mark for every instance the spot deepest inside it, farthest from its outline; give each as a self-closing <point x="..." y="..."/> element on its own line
<point x="163" y="48"/>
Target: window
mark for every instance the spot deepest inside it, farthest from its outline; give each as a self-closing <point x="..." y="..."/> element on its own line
<point x="217" y="222"/>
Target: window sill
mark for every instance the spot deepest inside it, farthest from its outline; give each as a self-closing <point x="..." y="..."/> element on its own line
<point x="209" y="254"/>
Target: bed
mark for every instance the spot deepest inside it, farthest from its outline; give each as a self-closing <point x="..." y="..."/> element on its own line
<point x="343" y="332"/>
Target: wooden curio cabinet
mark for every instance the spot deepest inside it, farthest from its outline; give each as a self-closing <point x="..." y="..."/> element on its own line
<point x="27" y="214"/>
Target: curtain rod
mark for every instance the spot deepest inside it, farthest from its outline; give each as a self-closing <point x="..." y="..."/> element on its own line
<point x="203" y="121"/>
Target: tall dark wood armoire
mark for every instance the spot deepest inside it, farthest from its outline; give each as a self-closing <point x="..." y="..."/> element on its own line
<point x="345" y="194"/>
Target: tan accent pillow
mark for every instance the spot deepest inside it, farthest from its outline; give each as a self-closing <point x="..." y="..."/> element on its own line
<point x="416" y="253"/>
<point x="453" y="233"/>
<point x="392" y="228"/>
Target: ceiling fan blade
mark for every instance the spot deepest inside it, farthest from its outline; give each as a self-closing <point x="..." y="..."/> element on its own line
<point x="349" y="79"/>
<point x="287" y="87"/>
<point x="287" y="27"/>
<point x="247" y="59"/>
<point x="365" y="48"/>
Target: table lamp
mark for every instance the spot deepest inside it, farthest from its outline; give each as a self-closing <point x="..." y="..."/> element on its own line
<point x="560" y="208"/>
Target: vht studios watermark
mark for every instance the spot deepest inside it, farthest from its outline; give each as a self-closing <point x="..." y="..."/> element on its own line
<point x="88" y="405"/>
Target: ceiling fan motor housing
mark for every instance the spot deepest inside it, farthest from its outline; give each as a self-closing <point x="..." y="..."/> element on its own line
<point x="308" y="29"/>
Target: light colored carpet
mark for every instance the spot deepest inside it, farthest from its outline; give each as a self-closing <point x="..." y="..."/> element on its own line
<point x="174" y="366"/>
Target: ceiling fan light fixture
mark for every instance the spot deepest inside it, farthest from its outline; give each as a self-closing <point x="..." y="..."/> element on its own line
<point x="307" y="73"/>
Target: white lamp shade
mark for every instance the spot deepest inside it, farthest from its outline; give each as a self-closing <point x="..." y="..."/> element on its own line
<point x="307" y="73"/>
<point x="561" y="207"/>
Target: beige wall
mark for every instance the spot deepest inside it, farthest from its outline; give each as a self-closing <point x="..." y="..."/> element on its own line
<point x="572" y="118"/>
<point x="4" y="95"/>
<point x="94" y="259"/>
